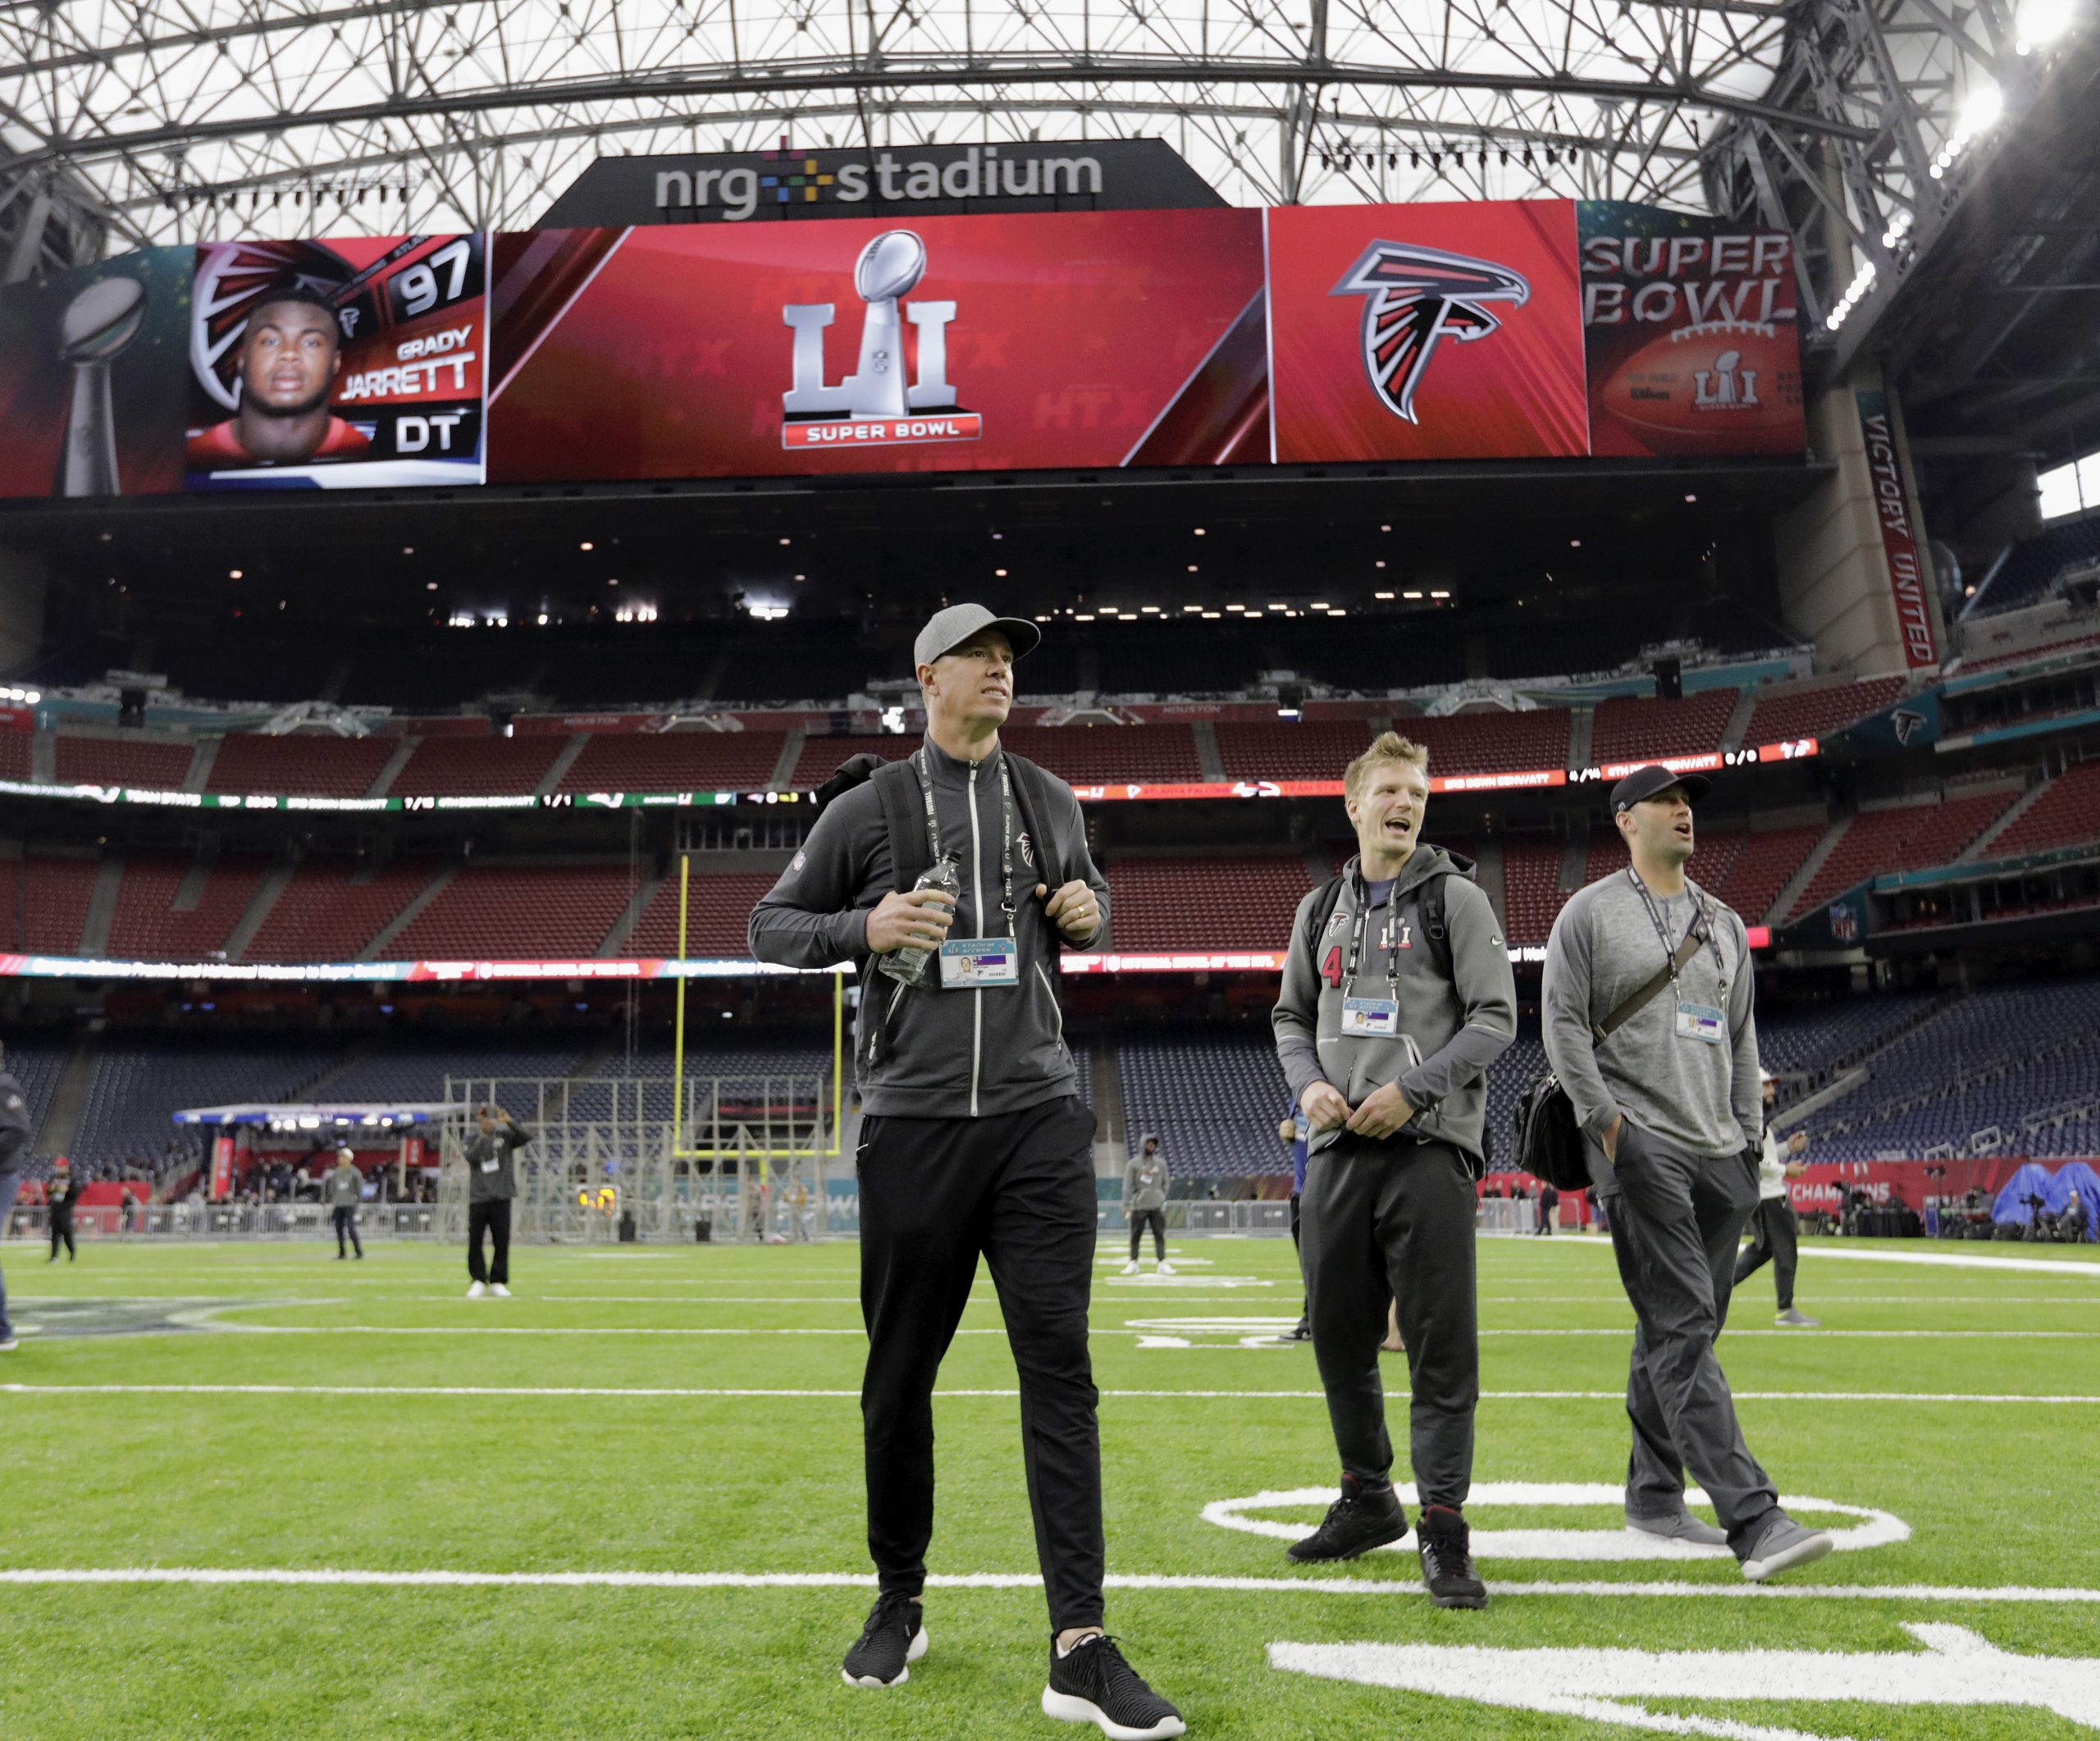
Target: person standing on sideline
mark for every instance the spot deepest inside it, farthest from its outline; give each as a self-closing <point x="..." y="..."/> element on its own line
<point x="975" y="1141"/>
<point x="15" y="1130"/>
<point x="60" y="1196"/>
<point x="1773" y="1233"/>
<point x="1292" y="1132"/>
<point x="491" y="1154"/>
<point x="1669" y="1101"/>
<point x="1549" y="1206"/>
<point x="343" y="1187"/>
<point x="1145" y="1180"/>
<point x="1396" y="997"/>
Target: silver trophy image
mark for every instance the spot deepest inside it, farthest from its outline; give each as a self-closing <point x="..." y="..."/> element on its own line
<point x="96" y="327"/>
<point x="888" y="267"/>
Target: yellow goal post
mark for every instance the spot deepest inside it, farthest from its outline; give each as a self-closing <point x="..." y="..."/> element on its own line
<point x="816" y="1150"/>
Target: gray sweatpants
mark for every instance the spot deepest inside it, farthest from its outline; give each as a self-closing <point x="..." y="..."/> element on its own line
<point x="1394" y="1220"/>
<point x="1675" y="1223"/>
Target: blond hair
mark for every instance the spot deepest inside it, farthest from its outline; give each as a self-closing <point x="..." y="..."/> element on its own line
<point x="1387" y="746"/>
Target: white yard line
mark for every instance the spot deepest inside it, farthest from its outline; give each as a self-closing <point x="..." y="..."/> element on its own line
<point x="1947" y="1260"/>
<point x="1408" y="1588"/>
<point x="753" y="1391"/>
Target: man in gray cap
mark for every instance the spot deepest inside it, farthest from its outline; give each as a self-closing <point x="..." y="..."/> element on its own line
<point x="975" y="1141"/>
<point x="1647" y="1006"/>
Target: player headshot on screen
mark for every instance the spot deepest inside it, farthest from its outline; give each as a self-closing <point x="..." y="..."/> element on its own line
<point x="288" y="362"/>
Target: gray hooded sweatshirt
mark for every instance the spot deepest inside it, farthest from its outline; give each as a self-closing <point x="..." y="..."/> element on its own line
<point x="1145" y="1180"/>
<point x="924" y="1052"/>
<point x="1449" y="1030"/>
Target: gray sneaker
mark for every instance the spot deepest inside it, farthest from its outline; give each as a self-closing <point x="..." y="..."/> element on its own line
<point x="1679" y="1526"/>
<point x="1784" y="1545"/>
<point x="1790" y="1319"/>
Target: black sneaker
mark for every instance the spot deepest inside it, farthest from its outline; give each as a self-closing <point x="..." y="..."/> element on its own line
<point x="1362" y="1518"/>
<point x="894" y="1638"/>
<point x="1447" y="1561"/>
<point x="1301" y="1331"/>
<point x="1091" y="1683"/>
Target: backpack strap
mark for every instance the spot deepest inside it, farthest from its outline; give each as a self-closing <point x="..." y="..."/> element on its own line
<point x="1031" y="798"/>
<point x="904" y="816"/>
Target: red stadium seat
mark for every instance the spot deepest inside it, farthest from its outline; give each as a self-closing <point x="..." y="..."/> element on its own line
<point x="325" y="914"/>
<point x="122" y="761"/>
<point x="314" y="765"/>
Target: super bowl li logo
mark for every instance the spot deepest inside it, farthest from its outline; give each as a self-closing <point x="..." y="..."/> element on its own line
<point x="878" y="404"/>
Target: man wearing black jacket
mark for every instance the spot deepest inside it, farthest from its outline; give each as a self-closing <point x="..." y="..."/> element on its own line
<point x="491" y="1183"/>
<point x="974" y="1142"/>
<point x="62" y="1193"/>
<point x="14" y="1157"/>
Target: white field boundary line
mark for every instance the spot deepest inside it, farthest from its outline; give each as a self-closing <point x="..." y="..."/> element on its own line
<point x="1410" y="1589"/>
<point x="1945" y="1259"/>
<point x="1114" y="1395"/>
<point x="769" y="1330"/>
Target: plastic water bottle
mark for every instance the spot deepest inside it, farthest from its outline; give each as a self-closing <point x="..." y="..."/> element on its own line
<point x="906" y="965"/>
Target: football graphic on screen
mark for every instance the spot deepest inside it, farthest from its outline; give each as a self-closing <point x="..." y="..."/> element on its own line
<point x="889" y="266"/>
<point x="102" y="320"/>
<point x="1728" y="381"/>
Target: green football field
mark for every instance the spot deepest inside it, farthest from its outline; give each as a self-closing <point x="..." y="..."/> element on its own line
<point x="252" y="1492"/>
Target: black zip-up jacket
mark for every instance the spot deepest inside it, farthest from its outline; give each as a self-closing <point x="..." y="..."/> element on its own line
<point x="927" y="1053"/>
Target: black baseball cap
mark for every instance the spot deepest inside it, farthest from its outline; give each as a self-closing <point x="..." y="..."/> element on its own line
<point x="1644" y="783"/>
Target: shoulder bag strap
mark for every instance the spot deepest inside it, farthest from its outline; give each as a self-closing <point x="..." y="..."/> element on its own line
<point x="1640" y="999"/>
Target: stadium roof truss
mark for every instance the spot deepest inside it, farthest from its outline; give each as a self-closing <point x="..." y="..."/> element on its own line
<point x="160" y="121"/>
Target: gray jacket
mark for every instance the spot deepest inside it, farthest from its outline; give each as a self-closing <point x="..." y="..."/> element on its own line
<point x="1145" y="1180"/>
<point x="1699" y="1097"/>
<point x="344" y="1186"/>
<point x="927" y="1053"/>
<point x="1450" y="1030"/>
<point x="492" y="1162"/>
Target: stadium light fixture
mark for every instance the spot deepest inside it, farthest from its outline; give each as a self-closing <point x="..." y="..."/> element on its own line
<point x="233" y="574"/>
<point x="1387" y="595"/>
<point x="1083" y="616"/>
<point x="1193" y="568"/>
<point x="1150" y="610"/>
<point x="1411" y="594"/>
<point x="1438" y="594"/>
<point x="587" y="545"/>
<point x="1199" y="531"/>
<point x="1212" y="616"/>
<point x="2040" y="22"/>
<point x="1690" y="497"/>
<point x="1379" y="564"/>
<point x="996" y="575"/>
<point x="1574" y="544"/>
<point x="1320" y="603"/>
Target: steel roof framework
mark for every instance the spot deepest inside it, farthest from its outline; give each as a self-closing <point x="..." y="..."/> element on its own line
<point x="165" y="121"/>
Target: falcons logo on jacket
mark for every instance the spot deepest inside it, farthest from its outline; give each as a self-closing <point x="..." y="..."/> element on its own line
<point x="1414" y="298"/>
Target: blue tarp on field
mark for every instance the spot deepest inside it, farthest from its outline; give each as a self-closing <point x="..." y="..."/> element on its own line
<point x="2054" y="1188"/>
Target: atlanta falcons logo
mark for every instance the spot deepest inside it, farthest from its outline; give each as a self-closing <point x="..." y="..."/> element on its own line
<point x="1414" y="297"/>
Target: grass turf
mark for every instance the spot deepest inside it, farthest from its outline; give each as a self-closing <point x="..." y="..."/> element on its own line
<point x="1997" y="1493"/>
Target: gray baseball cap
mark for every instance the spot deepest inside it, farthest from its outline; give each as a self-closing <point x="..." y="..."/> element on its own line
<point x="947" y="630"/>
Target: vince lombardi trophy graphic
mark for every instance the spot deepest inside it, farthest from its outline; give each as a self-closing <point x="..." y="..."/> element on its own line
<point x="97" y="324"/>
<point x="888" y="267"/>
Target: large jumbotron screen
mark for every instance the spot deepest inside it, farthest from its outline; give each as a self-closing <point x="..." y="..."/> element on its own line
<point x="1514" y="330"/>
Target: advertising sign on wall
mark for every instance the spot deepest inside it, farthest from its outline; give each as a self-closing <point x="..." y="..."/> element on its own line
<point x="1005" y="340"/>
<point x="1048" y="340"/>
<point x="1689" y="331"/>
<point x="336" y="364"/>
<point x="1426" y="332"/>
<point x="1899" y="533"/>
<point x="91" y="378"/>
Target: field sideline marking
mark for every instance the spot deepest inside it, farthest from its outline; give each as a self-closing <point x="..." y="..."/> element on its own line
<point x="1410" y="1589"/>
<point x="2041" y="1266"/>
<point x="636" y="1389"/>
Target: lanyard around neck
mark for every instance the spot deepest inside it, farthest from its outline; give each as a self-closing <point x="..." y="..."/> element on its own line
<point x="922" y="765"/>
<point x="1362" y="890"/>
<point x="1701" y="916"/>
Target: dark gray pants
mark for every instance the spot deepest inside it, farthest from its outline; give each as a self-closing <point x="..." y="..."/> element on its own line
<point x="1394" y="1221"/>
<point x="1156" y="1219"/>
<point x="1676" y="1220"/>
<point x="1773" y="1238"/>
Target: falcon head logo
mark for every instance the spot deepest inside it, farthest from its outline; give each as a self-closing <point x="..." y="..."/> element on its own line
<point x="1414" y="298"/>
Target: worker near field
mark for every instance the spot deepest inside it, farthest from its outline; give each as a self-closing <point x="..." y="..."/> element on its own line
<point x="1774" y="1236"/>
<point x="344" y="1188"/>
<point x="1145" y="1182"/>
<point x="1396" y="997"/>
<point x="492" y="1157"/>
<point x="61" y="1196"/>
<point x="1668" y="1103"/>
<point x="15" y="1132"/>
<point x="975" y="1141"/>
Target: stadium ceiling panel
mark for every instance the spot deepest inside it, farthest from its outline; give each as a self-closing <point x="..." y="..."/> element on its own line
<point x="1857" y="123"/>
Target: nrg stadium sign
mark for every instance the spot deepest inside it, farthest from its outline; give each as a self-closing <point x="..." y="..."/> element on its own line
<point x="790" y="182"/>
